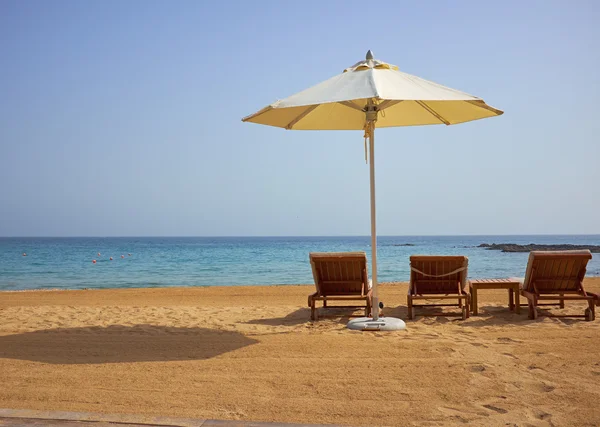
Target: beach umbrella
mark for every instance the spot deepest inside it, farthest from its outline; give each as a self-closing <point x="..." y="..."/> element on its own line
<point x="368" y="95"/>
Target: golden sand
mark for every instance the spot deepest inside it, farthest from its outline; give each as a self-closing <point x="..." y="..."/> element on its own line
<point x="251" y="353"/>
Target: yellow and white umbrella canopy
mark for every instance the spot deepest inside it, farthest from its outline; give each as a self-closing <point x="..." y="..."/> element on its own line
<point x="400" y="99"/>
<point x="368" y="95"/>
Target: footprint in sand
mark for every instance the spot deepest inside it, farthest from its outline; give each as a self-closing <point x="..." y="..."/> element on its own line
<point x="541" y="415"/>
<point x="430" y="336"/>
<point x="510" y="355"/>
<point x="507" y="340"/>
<point x="495" y="409"/>
<point x="513" y="387"/>
<point x="546" y="388"/>
<point x="477" y="368"/>
<point x="541" y="387"/>
<point x="477" y="344"/>
<point x="458" y="414"/>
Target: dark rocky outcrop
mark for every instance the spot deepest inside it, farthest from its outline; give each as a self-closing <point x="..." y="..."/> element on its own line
<point x="513" y="247"/>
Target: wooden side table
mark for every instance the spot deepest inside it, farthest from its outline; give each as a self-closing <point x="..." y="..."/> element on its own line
<point x="510" y="284"/>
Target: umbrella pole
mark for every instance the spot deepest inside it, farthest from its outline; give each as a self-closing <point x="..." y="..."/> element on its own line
<point x="375" y="308"/>
<point x="374" y="323"/>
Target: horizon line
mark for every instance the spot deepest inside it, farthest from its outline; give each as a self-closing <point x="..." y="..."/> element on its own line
<point x="296" y="236"/>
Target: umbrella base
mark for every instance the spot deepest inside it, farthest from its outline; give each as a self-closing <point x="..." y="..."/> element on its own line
<point x="381" y="324"/>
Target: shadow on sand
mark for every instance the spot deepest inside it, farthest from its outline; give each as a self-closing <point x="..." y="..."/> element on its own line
<point x="297" y="317"/>
<point x="488" y="316"/>
<point x="120" y="344"/>
<point x="302" y="316"/>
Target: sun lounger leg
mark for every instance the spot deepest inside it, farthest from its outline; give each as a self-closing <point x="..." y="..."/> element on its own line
<point x="532" y="309"/>
<point x="313" y="310"/>
<point x="460" y="303"/>
<point x="590" y="312"/>
<point x="411" y="315"/>
<point x="465" y="308"/>
<point x="562" y="302"/>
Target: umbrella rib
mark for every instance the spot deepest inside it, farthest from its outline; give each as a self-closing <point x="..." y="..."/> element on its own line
<point x="432" y="112"/>
<point x="388" y="103"/>
<point x="301" y="116"/>
<point x="351" y="105"/>
<point x="482" y="104"/>
<point x="258" y="113"/>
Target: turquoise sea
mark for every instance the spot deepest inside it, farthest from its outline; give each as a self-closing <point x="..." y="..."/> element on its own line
<point x="66" y="263"/>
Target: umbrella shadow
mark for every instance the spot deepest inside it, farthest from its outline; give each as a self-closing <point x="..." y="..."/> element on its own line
<point x="121" y="344"/>
<point x="297" y="317"/>
<point x="434" y="314"/>
<point x="302" y="316"/>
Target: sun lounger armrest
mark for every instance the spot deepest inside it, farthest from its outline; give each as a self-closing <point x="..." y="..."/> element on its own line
<point x="596" y="297"/>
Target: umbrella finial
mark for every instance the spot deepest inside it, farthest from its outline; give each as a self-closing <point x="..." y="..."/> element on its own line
<point x="369" y="55"/>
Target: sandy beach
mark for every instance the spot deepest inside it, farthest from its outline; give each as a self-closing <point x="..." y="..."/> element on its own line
<point x="251" y="353"/>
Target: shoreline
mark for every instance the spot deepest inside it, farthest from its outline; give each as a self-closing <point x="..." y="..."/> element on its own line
<point x="405" y="282"/>
<point x="173" y="287"/>
<point x="160" y="287"/>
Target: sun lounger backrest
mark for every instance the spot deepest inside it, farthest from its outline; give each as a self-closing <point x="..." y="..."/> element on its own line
<point x="340" y="273"/>
<point x="555" y="271"/>
<point x="438" y="274"/>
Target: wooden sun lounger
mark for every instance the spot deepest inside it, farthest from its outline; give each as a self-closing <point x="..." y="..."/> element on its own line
<point x="340" y="276"/>
<point x="438" y="277"/>
<point x="557" y="275"/>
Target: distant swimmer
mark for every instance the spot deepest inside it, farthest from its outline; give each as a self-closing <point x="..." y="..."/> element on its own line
<point x="93" y="261"/>
<point x="24" y="254"/>
<point x="110" y="258"/>
<point x="122" y="256"/>
<point x="129" y="254"/>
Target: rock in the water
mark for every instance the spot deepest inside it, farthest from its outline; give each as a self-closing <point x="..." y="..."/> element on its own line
<point x="513" y="247"/>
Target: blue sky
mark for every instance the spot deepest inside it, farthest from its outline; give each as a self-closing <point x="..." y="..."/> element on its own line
<point x="123" y="118"/>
